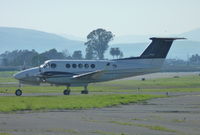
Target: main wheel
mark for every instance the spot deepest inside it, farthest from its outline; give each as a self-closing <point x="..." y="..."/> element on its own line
<point x="66" y="92"/>
<point x="84" y="92"/>
<point x="18" y="92"/>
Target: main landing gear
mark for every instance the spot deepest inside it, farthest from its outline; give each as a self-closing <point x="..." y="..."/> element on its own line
<point x="85" y="91"/>
<point x="67" y="91"/>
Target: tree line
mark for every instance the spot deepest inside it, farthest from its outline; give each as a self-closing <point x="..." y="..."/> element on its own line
<point x="96" y="46"/>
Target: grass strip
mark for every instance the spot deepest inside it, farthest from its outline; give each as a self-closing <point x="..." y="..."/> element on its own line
<point x="11" y="104"/>
<point x="56" y="89"/>
<point x="185" y="81"/>
<point x="152" y="127"/>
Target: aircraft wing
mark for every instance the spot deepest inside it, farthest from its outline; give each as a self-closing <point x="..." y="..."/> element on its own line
<point x="90" y="75"/>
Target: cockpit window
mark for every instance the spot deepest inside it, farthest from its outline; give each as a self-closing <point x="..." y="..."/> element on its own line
<point x="53" y="65"/>
<point x="45" y="65"/>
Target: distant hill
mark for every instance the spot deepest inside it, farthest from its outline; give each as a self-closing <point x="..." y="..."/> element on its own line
<point x="193" y="35"/>
<point x="18" y="38"/>
<point x="181" y="49"/>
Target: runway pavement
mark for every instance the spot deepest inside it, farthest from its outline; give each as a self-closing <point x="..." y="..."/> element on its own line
<point x="165" y="116"/>
<point x="175" y="115"/>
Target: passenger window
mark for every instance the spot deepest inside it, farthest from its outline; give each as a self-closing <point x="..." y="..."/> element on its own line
<point x="114" y="66"/>
<point x="86" y="66"/>
<point x="108" y="64"/>
<point x="74" y="65"/>
<point x="53" y="65"/>
<point x="92" y="66"/>
<point x="67" y="65"/>
<point x="80" y="65"/>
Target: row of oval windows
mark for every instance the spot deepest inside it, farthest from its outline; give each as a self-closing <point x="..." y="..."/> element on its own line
<point x="53" y="65"/>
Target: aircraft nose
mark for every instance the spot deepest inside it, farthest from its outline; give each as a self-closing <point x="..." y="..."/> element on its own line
<point x="26" y="74"/>
<point x="18" y="76"/>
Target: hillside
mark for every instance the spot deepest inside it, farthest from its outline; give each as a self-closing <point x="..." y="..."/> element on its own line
<point x="193" y="35"/>
<point x="181" y="49"/>
<point x="18" y="38"/>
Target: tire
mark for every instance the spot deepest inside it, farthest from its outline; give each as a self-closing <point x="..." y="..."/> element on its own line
<point x="84" y="92"/>
<point x="66" y="92"/>
<point x="18" y="92"/>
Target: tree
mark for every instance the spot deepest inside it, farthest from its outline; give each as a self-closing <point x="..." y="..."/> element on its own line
<point x="116" y="52"/>
<point x="19" y="57"/>
<point x="97" y="43"/>
<point x="121" y="54"/>
<point x="77" y="55"/>
<point x="53" y="54"/>
<point x="38" y="60"/>
<point x="47" y="55"/>
<point x="90" y="54"/>
<point x="5" y="62"/>
<point x="66" y="54"/>
<point x="29" y="58"/>
<point x="112" y="52"/>
<point x="195" y="59"/>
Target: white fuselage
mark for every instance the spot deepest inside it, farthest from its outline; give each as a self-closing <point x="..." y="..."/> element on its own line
<point x="61" y="72"/>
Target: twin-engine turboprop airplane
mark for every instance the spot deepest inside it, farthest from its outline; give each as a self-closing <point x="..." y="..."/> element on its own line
<point x="82" y="72"/>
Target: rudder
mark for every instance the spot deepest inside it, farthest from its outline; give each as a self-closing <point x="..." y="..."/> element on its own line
<point x="158" y="48"/>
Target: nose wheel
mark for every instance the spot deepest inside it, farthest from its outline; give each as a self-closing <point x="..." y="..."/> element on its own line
<point x="18" y="92"/>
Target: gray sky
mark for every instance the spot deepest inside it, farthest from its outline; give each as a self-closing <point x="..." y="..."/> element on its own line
<point x="122" y="17"/>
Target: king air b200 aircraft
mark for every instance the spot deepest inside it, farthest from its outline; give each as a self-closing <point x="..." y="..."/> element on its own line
<point x="82" y="72"/>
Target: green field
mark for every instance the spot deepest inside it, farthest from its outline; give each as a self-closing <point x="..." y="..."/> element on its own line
<point x="101" y="94"/>
<point x="181" y="84"/>
<point x="7" y="76"/>
<point x="10" y="104"/>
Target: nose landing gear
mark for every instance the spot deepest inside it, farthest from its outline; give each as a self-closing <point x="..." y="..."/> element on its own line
<point x="18" y="92"/>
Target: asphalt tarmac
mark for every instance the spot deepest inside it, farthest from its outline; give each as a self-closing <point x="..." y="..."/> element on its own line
<point x="175" y="115"/>
<point x="165" y="116"/>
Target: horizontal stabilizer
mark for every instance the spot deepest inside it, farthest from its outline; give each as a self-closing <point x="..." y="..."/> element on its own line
<point x="167" y="38"/>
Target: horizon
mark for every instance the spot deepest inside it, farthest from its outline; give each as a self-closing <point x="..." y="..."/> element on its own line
<point x="75" y="36"/>
<point x="78" y="18"/>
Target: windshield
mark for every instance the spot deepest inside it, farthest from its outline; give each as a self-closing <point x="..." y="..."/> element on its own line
<point x="45" y="65"/>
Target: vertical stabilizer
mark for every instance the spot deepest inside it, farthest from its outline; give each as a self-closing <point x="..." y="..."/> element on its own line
<point x="158" y="48"/>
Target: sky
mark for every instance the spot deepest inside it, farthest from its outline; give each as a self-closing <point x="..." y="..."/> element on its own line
<point x="122" y="17"/>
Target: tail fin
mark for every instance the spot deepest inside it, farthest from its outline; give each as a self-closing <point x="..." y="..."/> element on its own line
<point x="158" y="48"/>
